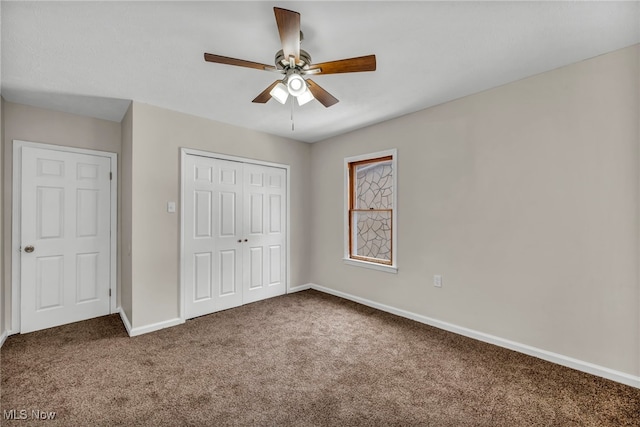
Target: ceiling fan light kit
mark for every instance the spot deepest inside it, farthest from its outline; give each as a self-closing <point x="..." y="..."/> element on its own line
<point x="296" y="63"/>
<point x="293" y="85"/>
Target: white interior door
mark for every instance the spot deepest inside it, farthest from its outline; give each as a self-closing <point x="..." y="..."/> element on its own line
<point x="234" y="224"/>
<point x="213" y="228"/>
<point x="65" y="231"/>
<point x="264" y="218"/>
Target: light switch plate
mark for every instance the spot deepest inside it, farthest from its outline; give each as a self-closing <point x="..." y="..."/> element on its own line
<point x="437" y="281"/>
<point x="171" y="207"/>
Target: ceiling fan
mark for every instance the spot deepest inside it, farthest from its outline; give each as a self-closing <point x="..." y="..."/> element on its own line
<point x="295" y="64"/>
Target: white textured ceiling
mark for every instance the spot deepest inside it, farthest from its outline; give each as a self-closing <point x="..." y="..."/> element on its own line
<point x="90" y="58"/>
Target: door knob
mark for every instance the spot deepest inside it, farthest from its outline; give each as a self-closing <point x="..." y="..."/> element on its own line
<point x="29" y="249"/>
<point x="246" y="240"/>
<point x="239" y="240"/>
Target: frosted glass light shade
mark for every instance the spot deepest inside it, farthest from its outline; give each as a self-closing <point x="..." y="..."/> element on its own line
<point x="305" y="97"/>
<point x="279" y="93"/>
<point x="296" y="84"/>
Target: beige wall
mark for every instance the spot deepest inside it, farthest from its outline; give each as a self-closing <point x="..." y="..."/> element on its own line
<point x="158" y="135"/>
<point x="3" y="322"/>
<point x="524" y="197"/>
<point x="33" y="124"/>
<point x="126" y="285"/>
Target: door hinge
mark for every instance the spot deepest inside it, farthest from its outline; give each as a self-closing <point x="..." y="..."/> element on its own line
<point x="110" y="176"/>
<point x="109" y="291"/>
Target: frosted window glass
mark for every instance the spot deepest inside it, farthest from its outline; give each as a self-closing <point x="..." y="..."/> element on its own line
<point x="372" y="234"/>
<point x="374" y="186"/>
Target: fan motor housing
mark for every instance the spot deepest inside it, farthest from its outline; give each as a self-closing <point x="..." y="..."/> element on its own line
<point x="305" y="60"/>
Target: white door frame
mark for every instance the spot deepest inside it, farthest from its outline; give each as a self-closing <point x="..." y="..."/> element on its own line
<point x="189" y="151"/>
<point x="16" y="236"/>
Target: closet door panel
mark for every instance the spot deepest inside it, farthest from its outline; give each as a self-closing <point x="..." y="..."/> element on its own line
<point x="265" y="207"/>
<point x="212" y="227"/>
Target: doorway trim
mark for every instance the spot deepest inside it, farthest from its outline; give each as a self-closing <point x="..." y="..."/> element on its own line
<point x="16" y="236"/>
<point x="184" y="152"/>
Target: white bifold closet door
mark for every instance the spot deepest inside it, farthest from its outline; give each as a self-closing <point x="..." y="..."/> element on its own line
<point x="234" y="242"/>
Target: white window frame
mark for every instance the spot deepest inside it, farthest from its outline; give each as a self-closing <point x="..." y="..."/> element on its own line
<point x="393" y="268"/>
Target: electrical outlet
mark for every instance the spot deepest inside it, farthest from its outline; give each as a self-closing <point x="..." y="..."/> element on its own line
<point x="437" y="281"/>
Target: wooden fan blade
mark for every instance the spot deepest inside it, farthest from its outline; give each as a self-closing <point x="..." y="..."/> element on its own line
<point x="210" y="57"/>
<point x="289" y="28"/>
<point x="265" y="95"/>
<point x="351" y="65"/>
<point x="321" y="95"/>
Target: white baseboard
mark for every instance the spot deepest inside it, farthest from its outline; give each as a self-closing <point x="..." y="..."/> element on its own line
<point x="125" y="320"/>
<point x="140" y="330"/>
<point x="590" y="368"/>
<point x="155" y="326"/>
<point x="3" y="337"/>
<point x="299" y="288"/>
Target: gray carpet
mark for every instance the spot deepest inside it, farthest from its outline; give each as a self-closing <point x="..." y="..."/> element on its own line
<point x="305" y="359"/>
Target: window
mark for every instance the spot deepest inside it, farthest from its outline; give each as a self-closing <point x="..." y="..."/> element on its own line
<point x="370" y="199"/>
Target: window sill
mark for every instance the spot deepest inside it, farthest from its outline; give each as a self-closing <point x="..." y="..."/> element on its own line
<point x="372" y="265"/>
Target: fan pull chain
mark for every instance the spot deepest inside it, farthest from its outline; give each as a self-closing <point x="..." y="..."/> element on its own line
<point x="292" y="123"/>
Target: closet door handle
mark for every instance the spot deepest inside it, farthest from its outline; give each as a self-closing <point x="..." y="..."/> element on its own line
<point x="239" y="240"/>
<point x="246" y="240"/>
